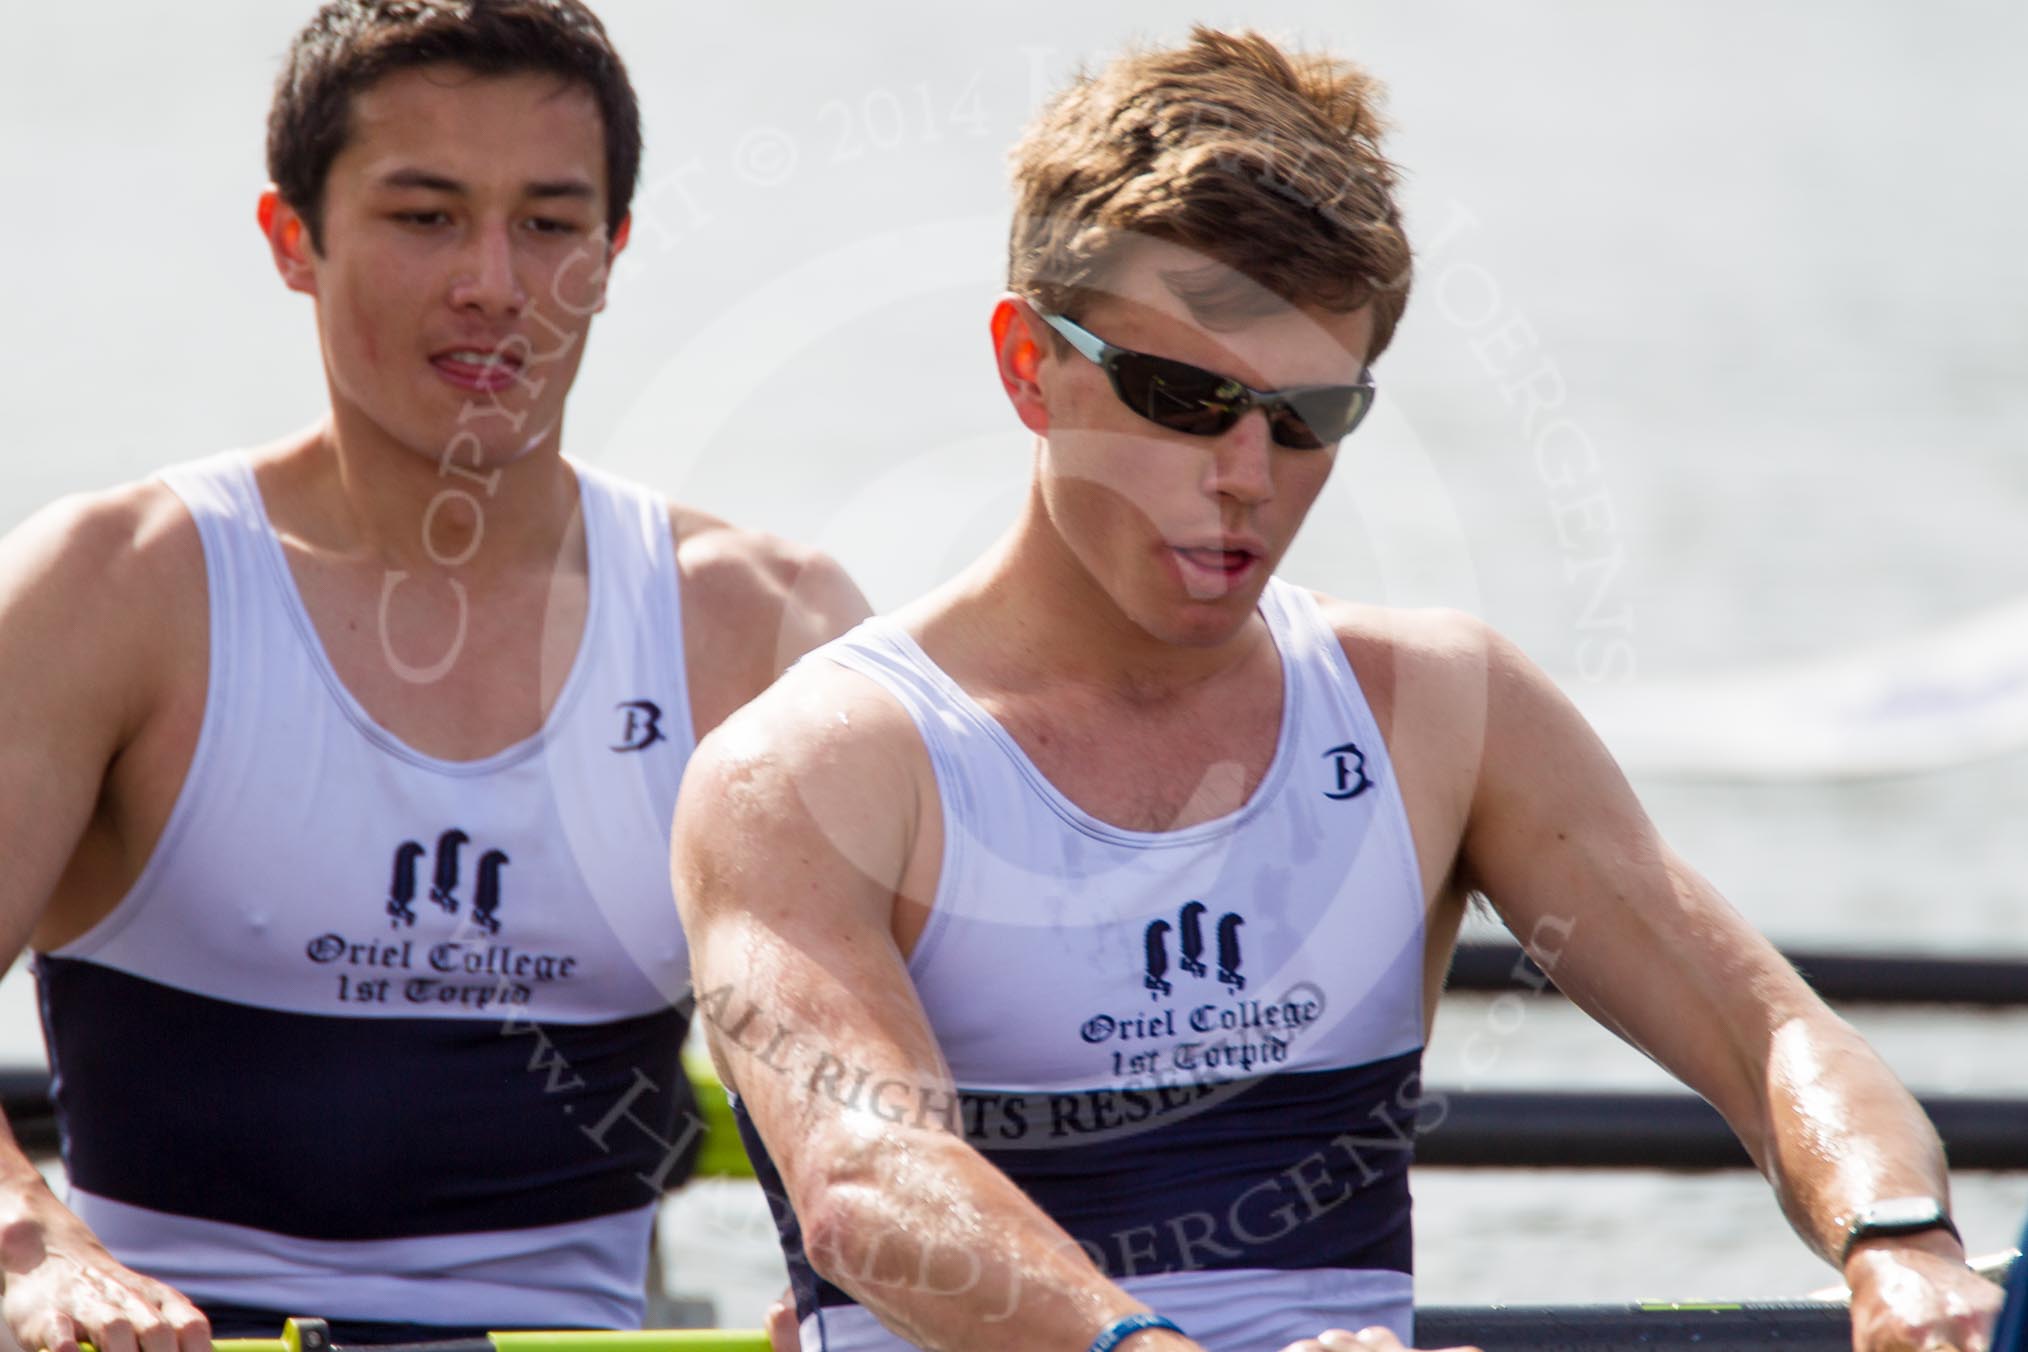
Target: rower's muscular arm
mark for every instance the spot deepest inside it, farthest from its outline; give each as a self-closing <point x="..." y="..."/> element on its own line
<point x="1644" y="944"/>
<point x="798" y="822"/>
<point x="83" y="591"/>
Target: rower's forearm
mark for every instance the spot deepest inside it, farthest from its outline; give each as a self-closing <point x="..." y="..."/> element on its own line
<point x="1843" y="1132"/>
<point x="26" y="1206"/>
<point x="18" y="1174"/>
<point x="950" y="1254"/>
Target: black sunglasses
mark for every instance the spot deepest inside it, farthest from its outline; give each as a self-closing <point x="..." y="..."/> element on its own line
<point x="1186" y="398"/>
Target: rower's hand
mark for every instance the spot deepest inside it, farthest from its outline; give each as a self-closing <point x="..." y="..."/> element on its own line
<point x="59" y="1287"/>
<point x="783" y="1335"/>
<point x="1915" y="1293"/>
<point x="1374" y="1339"/>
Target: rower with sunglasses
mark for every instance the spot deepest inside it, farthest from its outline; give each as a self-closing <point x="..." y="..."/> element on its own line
<point x="1070" y="937"/>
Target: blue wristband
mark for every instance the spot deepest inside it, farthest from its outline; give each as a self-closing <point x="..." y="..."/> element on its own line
<point x="1126" y="1326"/>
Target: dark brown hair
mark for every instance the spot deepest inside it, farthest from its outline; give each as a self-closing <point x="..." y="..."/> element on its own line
<point x="350" y="44"/>
<point x="1266" y="161"/>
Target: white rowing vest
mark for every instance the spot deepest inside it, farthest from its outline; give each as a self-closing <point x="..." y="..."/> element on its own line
<point x="379" y="1036"/>
<point x="1197" y="1050"/>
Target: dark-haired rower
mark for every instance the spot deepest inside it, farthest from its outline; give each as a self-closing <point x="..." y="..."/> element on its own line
<point x="335" y="775"/>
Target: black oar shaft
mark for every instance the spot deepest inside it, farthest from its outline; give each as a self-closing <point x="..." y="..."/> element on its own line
<point x="1790" y="1327"/>
<point x="1500" y="1129"/>
<point x="1517" y="1129"/>
<point x="1842" y="978"/>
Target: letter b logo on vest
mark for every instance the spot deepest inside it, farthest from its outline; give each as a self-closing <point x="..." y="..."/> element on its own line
<point x="1190" y="930"/>
<point x="1348" y="770"/>
<point x="642" y="727"/>
<point x="445" y="881"/>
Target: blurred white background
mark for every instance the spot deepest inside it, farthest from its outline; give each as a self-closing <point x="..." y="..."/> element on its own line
<point x="1766" y="258"/>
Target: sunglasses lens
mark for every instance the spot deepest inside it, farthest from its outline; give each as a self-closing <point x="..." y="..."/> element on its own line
<point x="1201" y="403"/>
<point x="1308" y="419"/>
<point x="1174" y="394"/>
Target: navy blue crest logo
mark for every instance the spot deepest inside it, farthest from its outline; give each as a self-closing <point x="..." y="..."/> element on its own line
<point x="445" y="881"/>
<point x="1189" y="929"/>
<point x="1348" y="768"/>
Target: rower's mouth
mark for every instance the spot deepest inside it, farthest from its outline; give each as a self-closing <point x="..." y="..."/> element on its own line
<point x="479" y="369"/>
<point x="1225" y="560"/>
<point x="1228" y="559"/>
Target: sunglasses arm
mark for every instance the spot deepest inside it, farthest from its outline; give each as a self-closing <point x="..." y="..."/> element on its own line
<point x="1093" y="347"/>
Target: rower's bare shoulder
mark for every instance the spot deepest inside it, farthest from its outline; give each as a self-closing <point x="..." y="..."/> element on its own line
<point x="752" y="604"/>
<point x="1415" y="662"/>
<point x="729" y="570"/>
<point x="104" y="588"/>
<point x="820" y="724"/>
<point x="1448" y="684"/>
<point x="136" y="539"/>
<point x="822" y="766"/>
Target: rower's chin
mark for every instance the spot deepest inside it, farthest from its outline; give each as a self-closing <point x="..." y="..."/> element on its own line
<point x="1204" y="622"/>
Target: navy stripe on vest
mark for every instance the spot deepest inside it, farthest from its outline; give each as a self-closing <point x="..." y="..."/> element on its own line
<point x="338" y="1128"/>
<point x="1295" y="1171"/>
<point x="809" y="1289"/>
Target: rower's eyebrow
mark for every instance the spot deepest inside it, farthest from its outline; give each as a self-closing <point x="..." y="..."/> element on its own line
<point x="421" y="178"/>
<point x="575" y="188"/>
<point x="566" y="187"/>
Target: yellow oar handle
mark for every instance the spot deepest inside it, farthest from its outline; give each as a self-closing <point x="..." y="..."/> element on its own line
<point x="564" y="1340"/>
<point x="642" y="1340"/>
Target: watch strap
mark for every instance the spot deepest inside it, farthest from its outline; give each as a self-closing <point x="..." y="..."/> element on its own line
<point x="1126" y="1326"/>
<point x="1868" y="1224"/>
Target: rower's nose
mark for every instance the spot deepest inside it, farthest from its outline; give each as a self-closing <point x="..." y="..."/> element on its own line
<point x="1240" y="466"/>
<point x="487" y="279"/>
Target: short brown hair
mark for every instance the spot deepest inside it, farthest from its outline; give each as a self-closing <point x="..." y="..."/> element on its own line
<point x="350" y="44"/>
<point x="1266" y="161"/>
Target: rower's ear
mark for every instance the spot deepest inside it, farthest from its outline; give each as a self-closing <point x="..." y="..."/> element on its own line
<point x="288" y="238"/>
<point x="1018" y="350"/>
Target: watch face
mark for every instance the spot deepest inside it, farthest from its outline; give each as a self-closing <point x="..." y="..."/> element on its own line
<point x="1900" y="1211"/>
